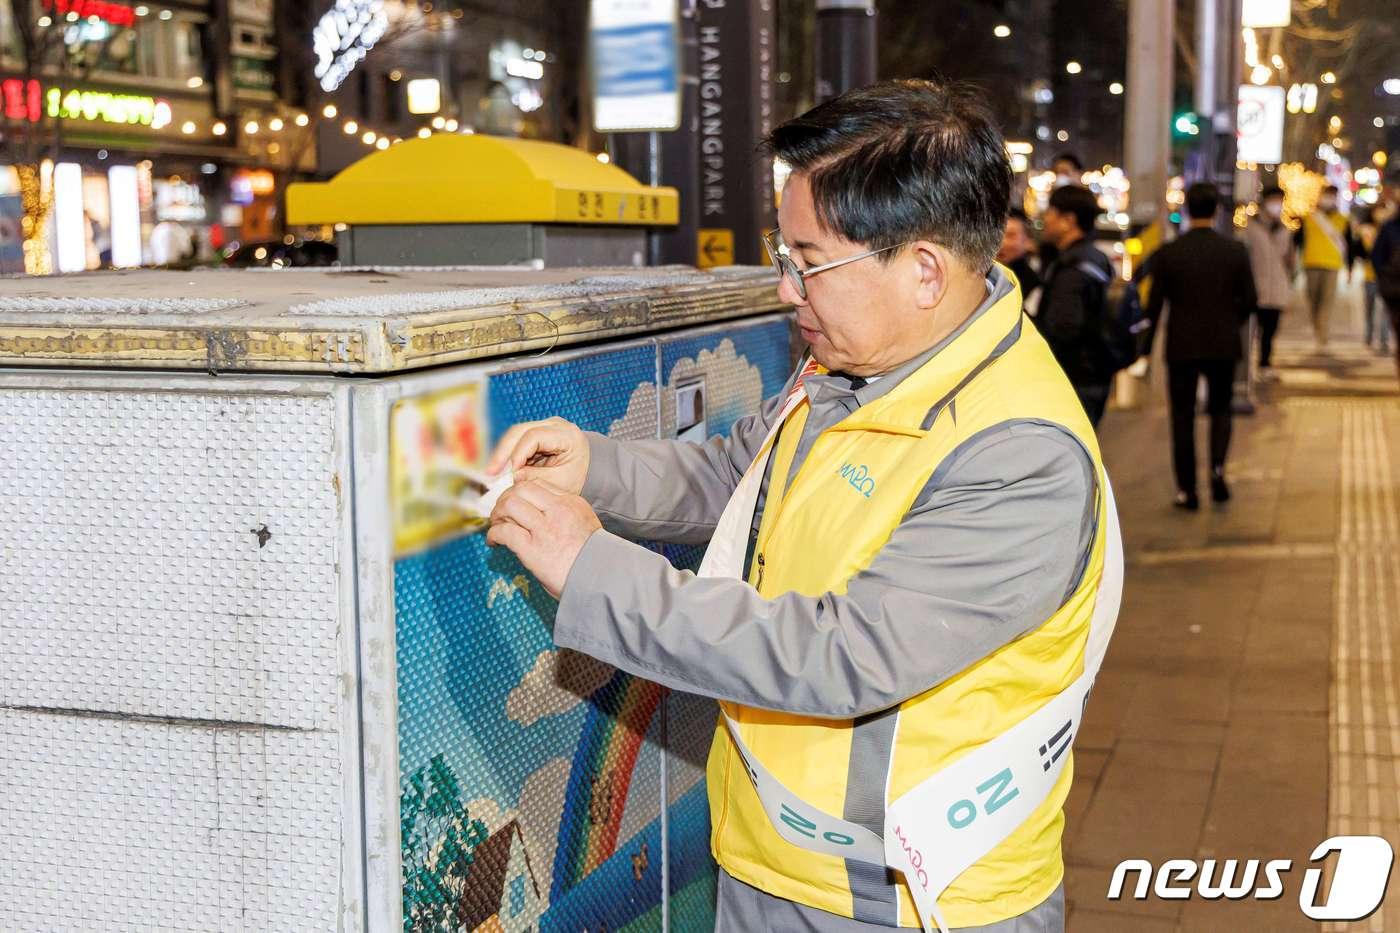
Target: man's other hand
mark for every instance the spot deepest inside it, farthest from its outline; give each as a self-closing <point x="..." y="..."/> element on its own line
<point x="554" y="451"/>
<point x="545" y="528"/>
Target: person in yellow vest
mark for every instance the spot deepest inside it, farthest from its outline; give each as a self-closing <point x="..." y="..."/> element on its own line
<point x="1327" y="247"/>
<point x="914" y="561"/>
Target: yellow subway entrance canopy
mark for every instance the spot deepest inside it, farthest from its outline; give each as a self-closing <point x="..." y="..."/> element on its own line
<point x="455" y="179"/>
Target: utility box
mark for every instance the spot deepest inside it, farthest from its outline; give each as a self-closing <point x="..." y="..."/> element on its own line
<point x="261" y="674"/>
<point x="454" y="199"/>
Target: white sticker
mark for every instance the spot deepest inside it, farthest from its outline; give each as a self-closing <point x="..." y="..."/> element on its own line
<point x="493" y="492"/>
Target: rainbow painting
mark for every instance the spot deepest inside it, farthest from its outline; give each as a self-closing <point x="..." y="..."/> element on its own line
<point x="618" y="718"/>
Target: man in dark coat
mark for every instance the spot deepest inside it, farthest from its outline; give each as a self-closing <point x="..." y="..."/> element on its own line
<point x="1205" y="279"/>
<point x="1075" y="293"/>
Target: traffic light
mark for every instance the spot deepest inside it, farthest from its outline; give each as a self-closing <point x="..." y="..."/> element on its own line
<point x="1186" y="124"/>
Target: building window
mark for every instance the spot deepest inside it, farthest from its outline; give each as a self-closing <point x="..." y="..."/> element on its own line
<point x="393" y="99"/>
<point x="517" y="896"/>
<point x="9" y="38"/>
<point x="171" y="49"/>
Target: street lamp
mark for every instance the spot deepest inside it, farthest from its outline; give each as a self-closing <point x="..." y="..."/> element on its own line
<point x="1002" y="32"/>
<point x="1329" y="78"/>
<point x="1391" y="86"/>
<point x="1074" y="68"/>
<point x="1116" y="88"/>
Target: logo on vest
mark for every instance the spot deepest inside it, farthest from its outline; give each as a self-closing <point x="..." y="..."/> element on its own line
<point x="859" y="477"/>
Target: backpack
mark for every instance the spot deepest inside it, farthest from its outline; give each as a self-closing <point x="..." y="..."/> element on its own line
<point x="1122" y="328"/>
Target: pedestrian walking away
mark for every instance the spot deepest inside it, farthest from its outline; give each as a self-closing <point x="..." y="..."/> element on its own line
<point x="1274" y="261"/>
<point x="1374" y="311"/>
<point x="918" y="521"/>
<point x="1385" y="259"/>
<point x="1205" y="281"/>
<point x="1074" y="300"/>
<point x="1326" y="240"/>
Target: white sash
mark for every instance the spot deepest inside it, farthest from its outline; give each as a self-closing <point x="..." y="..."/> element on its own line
<point x="935" y="832"/>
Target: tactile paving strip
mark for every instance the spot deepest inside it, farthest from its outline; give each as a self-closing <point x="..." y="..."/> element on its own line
<point x="168" y="635"/>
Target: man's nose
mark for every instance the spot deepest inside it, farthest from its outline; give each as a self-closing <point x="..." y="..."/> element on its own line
<point x="788" y="293"/>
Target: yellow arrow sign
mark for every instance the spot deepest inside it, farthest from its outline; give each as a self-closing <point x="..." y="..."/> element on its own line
<point x="716" y="247"/>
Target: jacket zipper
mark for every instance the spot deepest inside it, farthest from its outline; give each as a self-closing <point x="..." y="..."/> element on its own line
<point x="759" y="584"/>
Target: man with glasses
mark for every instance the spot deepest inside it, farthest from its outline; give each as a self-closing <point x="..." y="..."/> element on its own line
<point x="907" y="546"/>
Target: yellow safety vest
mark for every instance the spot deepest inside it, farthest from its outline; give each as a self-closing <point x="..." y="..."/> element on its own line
<point x="1320" y="249"/>
<point x="824" y="529"/>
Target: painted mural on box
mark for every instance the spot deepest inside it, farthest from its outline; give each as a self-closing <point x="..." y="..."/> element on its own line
<point x="532" y="779"/>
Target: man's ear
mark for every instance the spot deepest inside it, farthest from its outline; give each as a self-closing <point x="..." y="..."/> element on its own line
<point x="932" y="265"/>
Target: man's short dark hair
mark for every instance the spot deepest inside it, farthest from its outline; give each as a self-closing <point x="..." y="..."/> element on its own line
<point x="1202" y="200"/>
<point x="1272" y="191"/>
<point x="1331" y="189"/>
<point x="1019" y="215"/>
<point x="1069" y="157"/>
<point x="905" y="160"/>
<point x="1079" y="202"/>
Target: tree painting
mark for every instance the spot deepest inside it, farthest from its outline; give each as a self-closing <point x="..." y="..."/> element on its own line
<point x="439" y="842"/>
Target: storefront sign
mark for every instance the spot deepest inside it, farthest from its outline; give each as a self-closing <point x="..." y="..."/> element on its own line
<point x="21" y="100"/>
<point x="116" y="14"/>
<point x="107" y="107"/>
<point x="424" y="95"/>
<point x="344" y="37"/>
<point x="252" y="74"/>
<point x="1259" y="124"/>
<point x="1266" y="14"/>
<point x="248" y="184"/>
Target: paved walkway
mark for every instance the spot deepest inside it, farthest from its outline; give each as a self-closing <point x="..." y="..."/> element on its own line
<point x="1248" y="707"/>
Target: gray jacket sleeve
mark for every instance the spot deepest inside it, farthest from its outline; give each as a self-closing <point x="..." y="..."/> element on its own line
<point x="990" y="550"/>
<point x="673" y="491"/>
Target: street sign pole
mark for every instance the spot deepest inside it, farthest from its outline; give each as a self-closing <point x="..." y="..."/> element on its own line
<point x="846" y="51"/>
<point x="644" y="103"/>
<point x="737" y="48"/>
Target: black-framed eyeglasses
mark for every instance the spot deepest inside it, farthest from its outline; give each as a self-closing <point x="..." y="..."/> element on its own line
<point x="780" y="255"/>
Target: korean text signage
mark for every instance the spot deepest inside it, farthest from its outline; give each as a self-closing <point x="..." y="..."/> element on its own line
<point x="636" y="65"/>
<point x="28" y="101"/>
<point x="1259" y="124"/>
<point x="343" y="37"/>
<point x="736" y="40"/>
<point x="116" y="14"/>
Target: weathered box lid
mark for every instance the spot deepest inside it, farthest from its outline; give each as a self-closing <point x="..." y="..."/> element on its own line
<point x="352" y="320"/>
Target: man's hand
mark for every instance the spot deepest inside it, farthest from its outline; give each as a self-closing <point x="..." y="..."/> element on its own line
<point x="546" y="528"/>
<point x="554" y="451"/>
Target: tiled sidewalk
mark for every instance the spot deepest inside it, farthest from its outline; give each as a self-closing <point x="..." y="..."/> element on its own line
<point x="1248" y="707"/>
